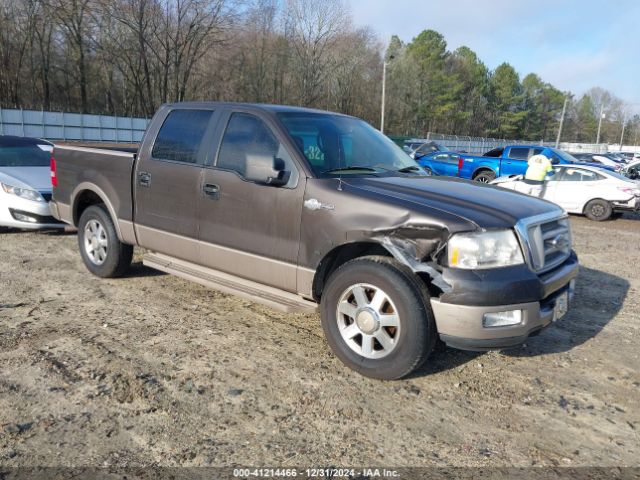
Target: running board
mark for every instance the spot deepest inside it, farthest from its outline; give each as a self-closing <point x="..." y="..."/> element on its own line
<point x="256" y="292"/>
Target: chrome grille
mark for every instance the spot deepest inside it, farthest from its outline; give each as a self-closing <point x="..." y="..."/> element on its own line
<point x="546" y="240"/>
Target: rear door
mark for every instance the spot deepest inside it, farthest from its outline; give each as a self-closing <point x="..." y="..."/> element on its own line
<point x="514" y="161"/>
<point x="167" y="183"/>
<point x="249" y="229"/>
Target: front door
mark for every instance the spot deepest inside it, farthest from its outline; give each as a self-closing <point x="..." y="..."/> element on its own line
<point x="249" y="229"/>
<point x="167" y="184"/>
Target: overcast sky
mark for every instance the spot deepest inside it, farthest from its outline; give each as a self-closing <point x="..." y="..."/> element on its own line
<point x="573" y="44"/>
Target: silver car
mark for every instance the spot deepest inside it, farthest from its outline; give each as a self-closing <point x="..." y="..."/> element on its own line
<point x="25" y="183"/>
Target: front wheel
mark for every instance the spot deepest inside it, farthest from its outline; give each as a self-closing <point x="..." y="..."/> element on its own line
<point x="598" y="210"/>
<point x="102" y="252"/>
<point x="377" y="319"/>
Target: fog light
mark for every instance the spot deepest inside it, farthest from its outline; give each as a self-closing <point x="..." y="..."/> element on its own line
<point x="502" y="319"/>
<point x="24" y="218"/>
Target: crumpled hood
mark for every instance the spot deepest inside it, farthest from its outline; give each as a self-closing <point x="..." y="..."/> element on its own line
<point x="34" y="178"/>
<point x="486" y="206"/>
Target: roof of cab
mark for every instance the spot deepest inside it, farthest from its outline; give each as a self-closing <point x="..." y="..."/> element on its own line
<point x="258" y="106"/>
<point x="15" y="141"/>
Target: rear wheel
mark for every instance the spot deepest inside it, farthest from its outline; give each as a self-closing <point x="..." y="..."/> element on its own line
<point x="598" y="210"/>
<point x="102" y="252"/>
<point x="485" y="176"/>
<point x="377" y="319"/>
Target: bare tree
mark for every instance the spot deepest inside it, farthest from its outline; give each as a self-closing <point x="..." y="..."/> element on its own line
<point x="314" y="27"/>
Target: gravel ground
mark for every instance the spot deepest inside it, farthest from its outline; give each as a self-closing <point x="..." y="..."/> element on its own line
<point x="153" y="370"/>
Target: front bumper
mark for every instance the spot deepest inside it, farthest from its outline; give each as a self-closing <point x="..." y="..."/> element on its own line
<point x="630" y="205"/>
<point x="27" y="214"/>
<point x="460" y="324"/>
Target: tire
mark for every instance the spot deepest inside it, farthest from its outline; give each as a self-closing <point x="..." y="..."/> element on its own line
<point x="103" y="253"/>
<point x="598" y="210"/>
<point x="404" y="295"/>
<point x="485" y="176"/>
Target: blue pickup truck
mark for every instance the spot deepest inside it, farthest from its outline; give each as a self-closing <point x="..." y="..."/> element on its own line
<point x="509" y="160"/>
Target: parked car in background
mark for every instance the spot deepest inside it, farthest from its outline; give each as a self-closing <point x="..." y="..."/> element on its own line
<point x="632" y="169"/>
<point x="440" y="163"/>
<point x="599" y="160"/>
<point x="584" y="190"/>
<point x="295" y="207"/>
<point x="25" y="183"/>
<point x="616" y="156"/>
<point x="505" y="161"/>
<point x="417" y="148"/>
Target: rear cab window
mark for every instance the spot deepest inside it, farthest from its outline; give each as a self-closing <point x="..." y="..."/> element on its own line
<point x="181" y="136"/>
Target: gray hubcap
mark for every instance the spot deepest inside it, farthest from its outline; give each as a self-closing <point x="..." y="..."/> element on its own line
<point x="95" y="242"/>
<point x="597" y="210"/>
<point x="368" y="321"/>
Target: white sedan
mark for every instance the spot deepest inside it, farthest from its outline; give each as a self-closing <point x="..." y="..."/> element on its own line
<point x="584" y="190"/>
<point x="25" y="183"/>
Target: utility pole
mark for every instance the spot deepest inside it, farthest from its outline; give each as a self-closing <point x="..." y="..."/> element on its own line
<point x="600" y="122"/>
<point x="564" y="109"/>
<point x="384" y="89"/>
<point x="622" y="136"/>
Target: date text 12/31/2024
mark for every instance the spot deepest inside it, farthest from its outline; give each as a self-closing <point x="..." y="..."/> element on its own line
<point x="315" y="473"/>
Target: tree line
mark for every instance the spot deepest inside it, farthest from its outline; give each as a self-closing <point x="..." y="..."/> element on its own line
<point x="126" y="57"/>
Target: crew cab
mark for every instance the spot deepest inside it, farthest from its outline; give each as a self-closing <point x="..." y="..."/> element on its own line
<point x="302" y="210"/>
<point x="506" y="161"/>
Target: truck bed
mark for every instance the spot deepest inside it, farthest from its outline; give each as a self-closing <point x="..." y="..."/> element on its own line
<point x="109" y="170"/>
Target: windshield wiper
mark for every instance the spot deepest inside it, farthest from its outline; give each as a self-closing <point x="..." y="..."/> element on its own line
<point x="352" y="167"/>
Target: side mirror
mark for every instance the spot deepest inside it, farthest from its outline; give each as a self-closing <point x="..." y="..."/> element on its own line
<point x="267" y="170"/>
<point x="555" y="161"/>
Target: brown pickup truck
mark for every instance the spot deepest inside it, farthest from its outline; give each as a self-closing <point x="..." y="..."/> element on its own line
<point x="296" y="208"/>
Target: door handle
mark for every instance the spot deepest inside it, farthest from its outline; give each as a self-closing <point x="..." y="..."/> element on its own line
<point x="144" y="179"/>
<point x="211" y="190"/>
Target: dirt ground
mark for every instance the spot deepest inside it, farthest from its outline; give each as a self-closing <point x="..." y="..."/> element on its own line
<point x="153" y="370"/>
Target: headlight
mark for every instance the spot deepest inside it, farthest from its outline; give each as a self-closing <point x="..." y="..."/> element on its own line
<point x="484" y="250"/>
<point x="23" y="192"/>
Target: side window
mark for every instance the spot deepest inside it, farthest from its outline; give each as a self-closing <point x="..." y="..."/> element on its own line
<point x="247" y="135"/>
<point x="181" y="135"/>
<point x="535" y="151"/>
<point x="495" y="153"/>
<point x="579" y="175"/>
<point x="519" y="153"/>
<point x="446" y="158"/>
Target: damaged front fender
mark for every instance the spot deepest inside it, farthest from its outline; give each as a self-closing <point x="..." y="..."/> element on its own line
<point x="418" y="249"/>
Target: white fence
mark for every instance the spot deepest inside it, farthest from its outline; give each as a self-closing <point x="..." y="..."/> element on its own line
<point x="480" y="145"/>
<point x="71" y="126"/>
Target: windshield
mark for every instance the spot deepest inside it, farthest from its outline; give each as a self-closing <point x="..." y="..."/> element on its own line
<point x="566" y="156"/>
<point x="26" y="156"/>
<point x="335" y="145"/>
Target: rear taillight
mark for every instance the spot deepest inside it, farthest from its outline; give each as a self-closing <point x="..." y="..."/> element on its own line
<point x="460" y="163"/>
<point x="54" y="178"/>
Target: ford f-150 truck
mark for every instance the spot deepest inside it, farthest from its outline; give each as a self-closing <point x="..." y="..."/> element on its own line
<point x="299" y="208"/>
<point x="511" y="160"/>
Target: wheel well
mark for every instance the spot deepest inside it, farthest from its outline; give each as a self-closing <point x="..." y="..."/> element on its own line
<point x="339" y="256"/>
<point x="481" y="170"/>
<point x="84" y="200"/>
